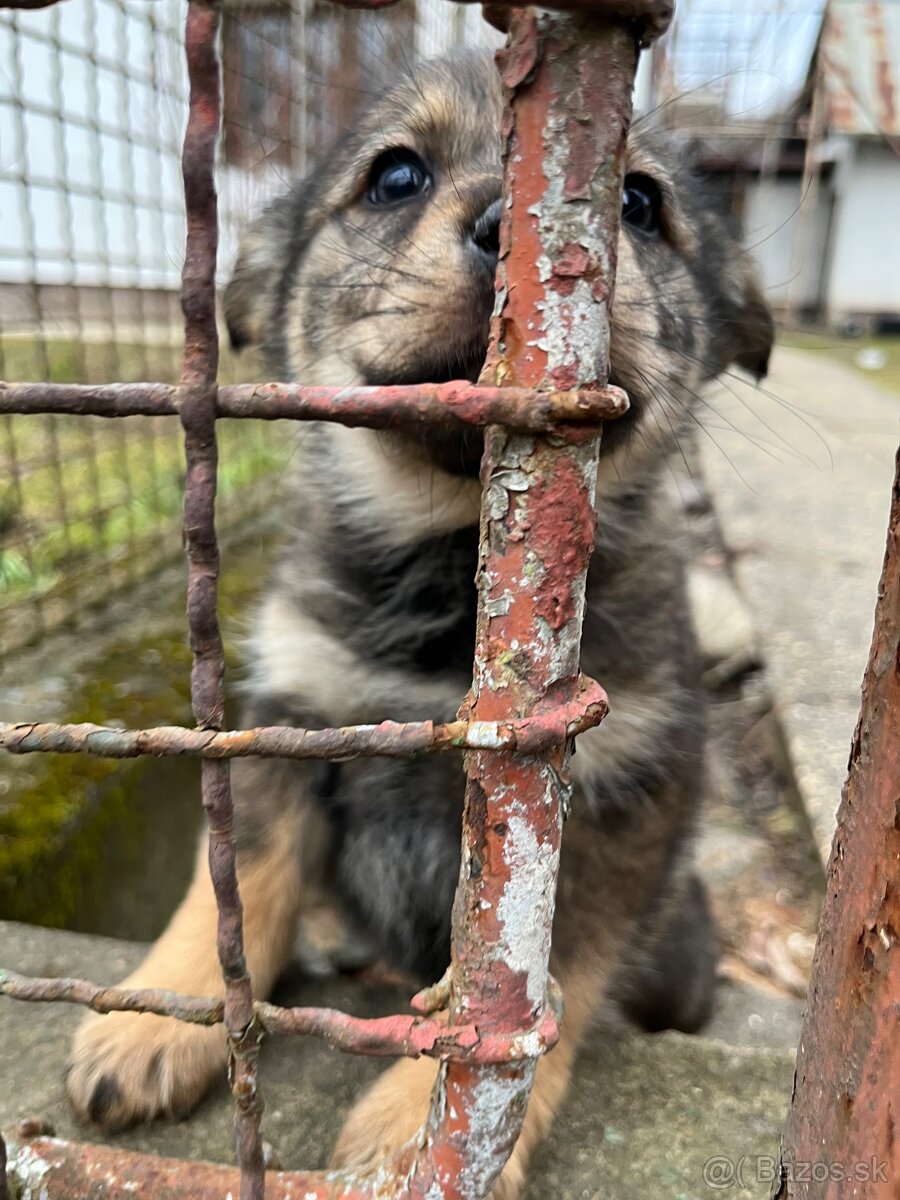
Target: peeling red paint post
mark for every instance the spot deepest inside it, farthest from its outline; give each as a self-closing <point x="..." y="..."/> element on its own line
<point x="570" y="81"/>
<point x="845" y="1111"/>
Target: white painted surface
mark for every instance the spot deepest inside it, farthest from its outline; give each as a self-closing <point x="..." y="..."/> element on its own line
<point x="775" y="235"/>
<point x="844" y="255"/>
<point x="865" y="269"/>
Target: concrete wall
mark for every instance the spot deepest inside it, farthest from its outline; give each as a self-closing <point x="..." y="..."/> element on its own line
<point x="843" y="258"/>
<point x="865" y="266"/>
<point x="776" y="235"/>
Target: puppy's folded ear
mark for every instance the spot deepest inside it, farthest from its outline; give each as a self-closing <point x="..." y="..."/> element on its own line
<point x="267" y="250"/>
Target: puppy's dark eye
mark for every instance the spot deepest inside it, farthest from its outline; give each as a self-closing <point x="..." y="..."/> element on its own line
<point x="642" y="203"/>
<point x="397" y="175"/>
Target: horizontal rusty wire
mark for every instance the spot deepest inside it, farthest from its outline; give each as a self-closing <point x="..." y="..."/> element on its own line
<point x="527" y="735"/>
<point x="197" y="409"/>
<point x="427" y="404"/>
<point x="384" y="1037"/>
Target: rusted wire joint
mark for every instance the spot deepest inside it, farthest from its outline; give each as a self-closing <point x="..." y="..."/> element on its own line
<point x="388" y="1037"/>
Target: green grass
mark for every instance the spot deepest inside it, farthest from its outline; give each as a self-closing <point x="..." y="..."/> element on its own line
<point x="846" y="349"/>
<point x="59" y="360"/>
<point x="77" y="494"/>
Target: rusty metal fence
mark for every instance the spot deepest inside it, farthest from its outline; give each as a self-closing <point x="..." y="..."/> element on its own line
<point x="93" y="99"/>
<point x="569" y="80"/>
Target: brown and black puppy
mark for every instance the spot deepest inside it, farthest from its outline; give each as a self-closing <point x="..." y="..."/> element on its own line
<point x="378" y="269"/>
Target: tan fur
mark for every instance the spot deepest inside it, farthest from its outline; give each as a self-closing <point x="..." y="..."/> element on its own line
<point x="414" y="499"/>
<point x="631" y="730"/>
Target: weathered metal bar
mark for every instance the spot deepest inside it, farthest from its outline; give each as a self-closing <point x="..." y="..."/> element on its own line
<point x="652" y="16"/>
<point x="569" y="80"/>
<point x="197" y="404"/>
<point x="373" y="407"/>
<point x="847" y="1079"/>
<point x="528" y="735"/>
<point x="386" y="1037"/>
<point x="47" y="1167"/>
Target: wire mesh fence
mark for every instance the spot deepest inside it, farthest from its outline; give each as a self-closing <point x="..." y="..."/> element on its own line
<point x="93" y="101"/>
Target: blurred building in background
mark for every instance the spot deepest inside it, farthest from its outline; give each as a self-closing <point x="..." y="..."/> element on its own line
<point x="796" y="106"/>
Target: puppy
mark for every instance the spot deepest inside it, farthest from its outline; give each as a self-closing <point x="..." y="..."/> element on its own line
<point x="378" y="269"/>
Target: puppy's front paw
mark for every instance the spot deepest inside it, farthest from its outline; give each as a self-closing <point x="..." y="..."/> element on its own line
<point x="129" y="1067"/>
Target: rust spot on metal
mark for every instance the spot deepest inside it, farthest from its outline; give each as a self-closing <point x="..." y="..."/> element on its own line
<point x="564" y="520"/>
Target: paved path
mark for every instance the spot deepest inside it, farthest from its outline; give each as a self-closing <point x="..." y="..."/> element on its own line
<point x="800" y="473"/>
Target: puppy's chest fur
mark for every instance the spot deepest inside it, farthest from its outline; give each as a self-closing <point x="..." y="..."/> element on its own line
<point x="357" y="630"/>
<point x="400" y="612"/>
<point x="412" y="606"/>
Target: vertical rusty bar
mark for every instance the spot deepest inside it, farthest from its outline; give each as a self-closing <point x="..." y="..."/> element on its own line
<point x="198" y="416"/>
<point x="845" y="1112"/>
<point x="4" y="1184"/>
<point x="569" y="81"/>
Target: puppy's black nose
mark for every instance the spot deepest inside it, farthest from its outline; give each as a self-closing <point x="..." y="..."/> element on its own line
<point x="486" y="234"/>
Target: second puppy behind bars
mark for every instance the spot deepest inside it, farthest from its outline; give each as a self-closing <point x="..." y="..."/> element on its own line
<point x="378" y="269"/>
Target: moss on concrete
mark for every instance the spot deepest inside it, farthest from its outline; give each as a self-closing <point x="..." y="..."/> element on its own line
<point x="75" y="829"/>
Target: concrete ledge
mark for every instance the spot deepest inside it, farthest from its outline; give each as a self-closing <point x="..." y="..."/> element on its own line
<point x="644" y="1115"/>
<point x="800" y="473"/>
